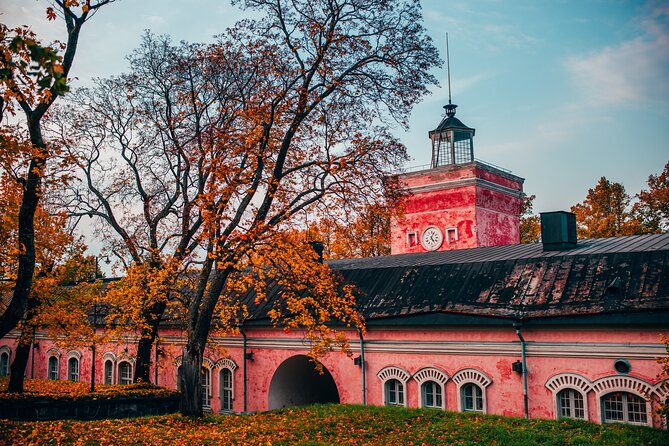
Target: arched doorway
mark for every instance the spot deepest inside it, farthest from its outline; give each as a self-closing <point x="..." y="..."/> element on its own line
<point x="296" y="383"/>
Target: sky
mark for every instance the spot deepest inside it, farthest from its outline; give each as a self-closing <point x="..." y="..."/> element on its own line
<point x="560" y="92"/>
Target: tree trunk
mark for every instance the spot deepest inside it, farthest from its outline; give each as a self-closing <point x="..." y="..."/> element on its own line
<point x="200" y="313"/>
<point x="191" y="376"/>
<point x="146" y="341"/>
<point x="20" y="362"/>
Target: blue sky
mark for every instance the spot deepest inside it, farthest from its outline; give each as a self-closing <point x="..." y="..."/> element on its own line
<point x="560" y="92"/>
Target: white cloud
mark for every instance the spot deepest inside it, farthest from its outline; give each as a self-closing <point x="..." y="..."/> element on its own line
<point x="634" y="71"/>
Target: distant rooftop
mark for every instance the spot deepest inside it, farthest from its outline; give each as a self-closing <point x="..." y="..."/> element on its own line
<point x="609" y="245"/>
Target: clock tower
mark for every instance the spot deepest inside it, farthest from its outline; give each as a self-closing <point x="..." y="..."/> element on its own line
<point x="458" y="202"/>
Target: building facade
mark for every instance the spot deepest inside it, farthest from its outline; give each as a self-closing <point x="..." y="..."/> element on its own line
<point x="476" y="322"/>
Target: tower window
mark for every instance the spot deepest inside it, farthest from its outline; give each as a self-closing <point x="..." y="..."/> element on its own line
<point x="412" y="239"/>
<point x="452" y="235"/>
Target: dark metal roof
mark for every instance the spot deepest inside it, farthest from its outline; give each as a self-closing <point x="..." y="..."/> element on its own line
<point x="636" y="243"/>
<point x="618" y="280"/>
<point x="451" y="122"/>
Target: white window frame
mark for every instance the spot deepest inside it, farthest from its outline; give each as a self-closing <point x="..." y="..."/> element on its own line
<point x="5" y="352"/>
<point x="412" y="235"/>
<point x="397" y="388"/>
<point x="476" y="377"/>
<point x="627" y="384"/>
<point x="109" y="357"/>
<point x="206" y="389"/>
<point x="226" y="364"/>
<point x="438" y="376"/>
<point x="571" y="395"/>
<point x="72" y="374"/>
<point x="476" y="397"/>
<point x="625" y="408"/>
<point x="177" y="373"/>
<point x="574" y="381"/>
<point x="76" y="356"/>
<point x="53" y="353"/>
<point x="397" y="373"/>
<point x="125" y="380"/>
<point x="451" y="235"/>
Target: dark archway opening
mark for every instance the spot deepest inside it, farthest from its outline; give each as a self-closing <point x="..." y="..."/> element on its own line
<point x="297" y="383"/>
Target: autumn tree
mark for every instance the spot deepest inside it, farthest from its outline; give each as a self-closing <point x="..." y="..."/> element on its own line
<point x="141" y="142"/>
<point x="530" y="225"/>
<point x="32" y="77"/>
<point x="330" y="70"/>
<point x="606" y="212"/>
<point x="663" y="408"/>
<point x="653" y="205"/>
<point x="54" y="247"/>
<point x="366" y="234"/>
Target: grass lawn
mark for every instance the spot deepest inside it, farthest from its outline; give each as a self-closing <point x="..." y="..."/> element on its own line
<point x="331" y="424"/>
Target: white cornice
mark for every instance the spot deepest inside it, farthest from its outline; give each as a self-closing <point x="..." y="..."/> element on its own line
<point x="445" y="185"/>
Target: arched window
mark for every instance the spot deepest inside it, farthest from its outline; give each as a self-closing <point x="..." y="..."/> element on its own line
<point x="394" y="381"/>
<point x="624" y="407"/>
<point x="4" y="364"/>
<point x="471" y="397"/>
<point x="569" y="395"/>
<point x="73" y="369"/>
<point x="394" y="393"/>
<point x="179" y="378"/>
<point x="53" y="367"/>
<point x="226" y="389"/>
<point x="206" y="388"/>
<point x="570" y="404"/>
<point x="431" y="394"/>
<point x="431" y="382"/>
<point x="472" y="386"/>
<point x="124" y="373"/>
<point x="619" y="399"/>
<point x="109" y="372"/>
<point x="226" y="383"/>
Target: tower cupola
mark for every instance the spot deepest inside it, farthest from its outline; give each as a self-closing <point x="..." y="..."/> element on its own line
<point x="452" y="141"/>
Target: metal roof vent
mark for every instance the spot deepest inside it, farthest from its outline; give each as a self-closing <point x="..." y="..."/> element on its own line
<point x="558" y="230"/>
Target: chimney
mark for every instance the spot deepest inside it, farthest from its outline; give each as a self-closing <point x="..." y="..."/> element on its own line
<point x="558" y="230"/>
<point x="318" y="247"/>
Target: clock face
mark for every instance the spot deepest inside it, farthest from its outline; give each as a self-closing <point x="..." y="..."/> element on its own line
<point x="432" y="238"/>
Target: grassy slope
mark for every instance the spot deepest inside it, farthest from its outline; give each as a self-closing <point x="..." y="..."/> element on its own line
<point x="336" y="424"/>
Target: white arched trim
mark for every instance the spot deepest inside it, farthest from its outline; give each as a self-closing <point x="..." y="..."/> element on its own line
<point x="431" y="374"/>
<point x="53" y="352"/>
<point x="393" y="372"/>
<point x="661" y="389"/>
<point x="109" y="357"/>
<point x="226" y="363"/>
<point x="178" y="360"/>
<point x="124" y="357"/>
<point x="208" y="363"/>
<point x="624" y="383"/>
<point x="563" y="381"/>
<point x="6" y="349"/>
<point x="74" y="354"/>
<point x="473" y="376"/>
<point x="568" y="380"/>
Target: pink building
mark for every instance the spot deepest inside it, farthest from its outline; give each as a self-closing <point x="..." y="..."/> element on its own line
<point x="562" y="328"/>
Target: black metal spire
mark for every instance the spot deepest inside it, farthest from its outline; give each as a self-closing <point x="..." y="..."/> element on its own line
<point x="450" y="108"/>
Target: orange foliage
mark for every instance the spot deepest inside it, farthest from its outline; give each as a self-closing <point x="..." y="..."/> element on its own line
<point x="68" y="390"/>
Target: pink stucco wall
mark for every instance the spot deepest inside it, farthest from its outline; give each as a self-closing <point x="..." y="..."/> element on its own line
<point x="587" y="352"/>
<point x="482" y="203"/>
